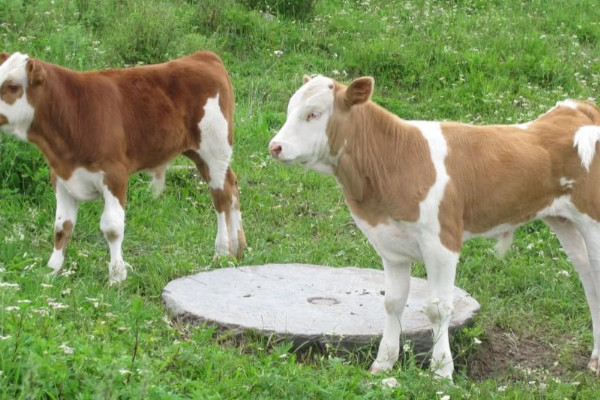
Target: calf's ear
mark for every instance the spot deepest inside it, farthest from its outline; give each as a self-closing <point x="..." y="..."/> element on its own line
<point x="359" y="91"/>
<point x="3" y="57"/>
<point x="35" y="73"/>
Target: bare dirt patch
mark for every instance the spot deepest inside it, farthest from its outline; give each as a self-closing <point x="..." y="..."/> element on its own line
<point x="504" y="355"/>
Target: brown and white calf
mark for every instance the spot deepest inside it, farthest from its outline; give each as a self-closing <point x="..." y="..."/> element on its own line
<point x="417" y="189"/>
<point x="96" y="128"/>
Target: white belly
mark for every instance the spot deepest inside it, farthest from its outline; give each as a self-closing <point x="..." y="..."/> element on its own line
<point x="394" y="240"/>
<point x="84" y="185"/>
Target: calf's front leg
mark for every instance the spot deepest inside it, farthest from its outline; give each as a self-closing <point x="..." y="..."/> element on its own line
<point x="64" y="223"/>
<point x="397" y="286"/>
<point x="440" y="264"/>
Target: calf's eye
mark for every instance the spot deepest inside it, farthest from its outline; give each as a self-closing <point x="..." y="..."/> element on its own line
<point x="313" y="116"/>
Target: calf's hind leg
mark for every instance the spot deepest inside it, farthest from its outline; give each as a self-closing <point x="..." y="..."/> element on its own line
<point x="581" y="242"/>
<point x="230" y="239"/>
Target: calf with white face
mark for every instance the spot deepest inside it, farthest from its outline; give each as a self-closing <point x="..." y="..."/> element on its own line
<point x="96" y="128"/>
<point x="417" y="189"/>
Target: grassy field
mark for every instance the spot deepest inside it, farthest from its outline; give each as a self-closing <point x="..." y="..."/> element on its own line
<point x="475" y="61"/>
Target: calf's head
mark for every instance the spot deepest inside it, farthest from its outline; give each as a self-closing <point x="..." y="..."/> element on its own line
<point x="304" y="138"/>
<point x="18" y="76"/>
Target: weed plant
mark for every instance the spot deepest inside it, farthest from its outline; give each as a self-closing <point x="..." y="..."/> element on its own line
<point x="476" y="61"/>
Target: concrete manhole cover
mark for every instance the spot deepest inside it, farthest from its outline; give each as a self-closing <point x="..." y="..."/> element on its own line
<point x="305" y="303"/>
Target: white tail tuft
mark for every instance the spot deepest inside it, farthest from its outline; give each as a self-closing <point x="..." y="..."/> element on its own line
<point x="585" y="140"/>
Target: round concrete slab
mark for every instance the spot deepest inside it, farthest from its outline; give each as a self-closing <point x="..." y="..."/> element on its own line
<point x="308" y="304"/>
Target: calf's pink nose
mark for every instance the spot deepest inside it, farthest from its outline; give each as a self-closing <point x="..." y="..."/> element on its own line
<point x="275" y="149"/>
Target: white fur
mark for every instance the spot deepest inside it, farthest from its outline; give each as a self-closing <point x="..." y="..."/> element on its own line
<point x="214" y="147"/>
<point x="567" y="103"/>
<point x="112" y="224"/>
<point x="236" y="225"/>
<point x="66" y="210"/>
<point x="222" y="240"/>
<point x="84" y="185"/>
<point x="305" y="141"/>
<point x="567" y="183"/>
<point x="20" y="113"/>
<point x="158" y="180"/>
<point x="585" y="140"/>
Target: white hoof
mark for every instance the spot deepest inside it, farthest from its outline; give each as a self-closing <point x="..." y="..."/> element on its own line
<point x="377" y="367"/>
<point x="56" y="261"/>
<point x="117" y="272"/>
<point x="594" y="366"/>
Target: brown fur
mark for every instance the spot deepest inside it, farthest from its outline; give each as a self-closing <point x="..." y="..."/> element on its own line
<point x="10" y="92"/>
<point x="499" y="174"/>
<point x="385" y="169"/>
<point x="125" y="120"/>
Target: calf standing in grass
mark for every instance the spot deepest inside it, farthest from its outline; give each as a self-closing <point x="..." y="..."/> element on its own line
<point x="96" y="128"/>
<point x="417" y="189"/>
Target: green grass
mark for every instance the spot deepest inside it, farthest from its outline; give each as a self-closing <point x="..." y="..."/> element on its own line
<point x="479" y="61"/>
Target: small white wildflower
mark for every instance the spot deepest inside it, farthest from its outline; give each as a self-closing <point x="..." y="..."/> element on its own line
<point x="576" y="383"/>
<point x="124" y="371"/>
<point x="390" y="382"/>
<point x="95" y="302"/>
<point x="406" y="347"/>
<point x="278" y="52"/>
<point x="476" y="341"/>
<point x="57" y="306"/>
<point x="501" y="388"/>
<point x="66" y="349"/>
<point x="110" y="315"/>
<point x="445" y="397"/>
<point x="530" y="246"/>
<point x="46" y="285"/>
<point x="564" y="273"/>
<point x="66" y="292"/>
<point x="11" y="308"/>
<point x="24" y="301"/>
<point x="10" y="285"/>
<point x="2" y="337"/>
